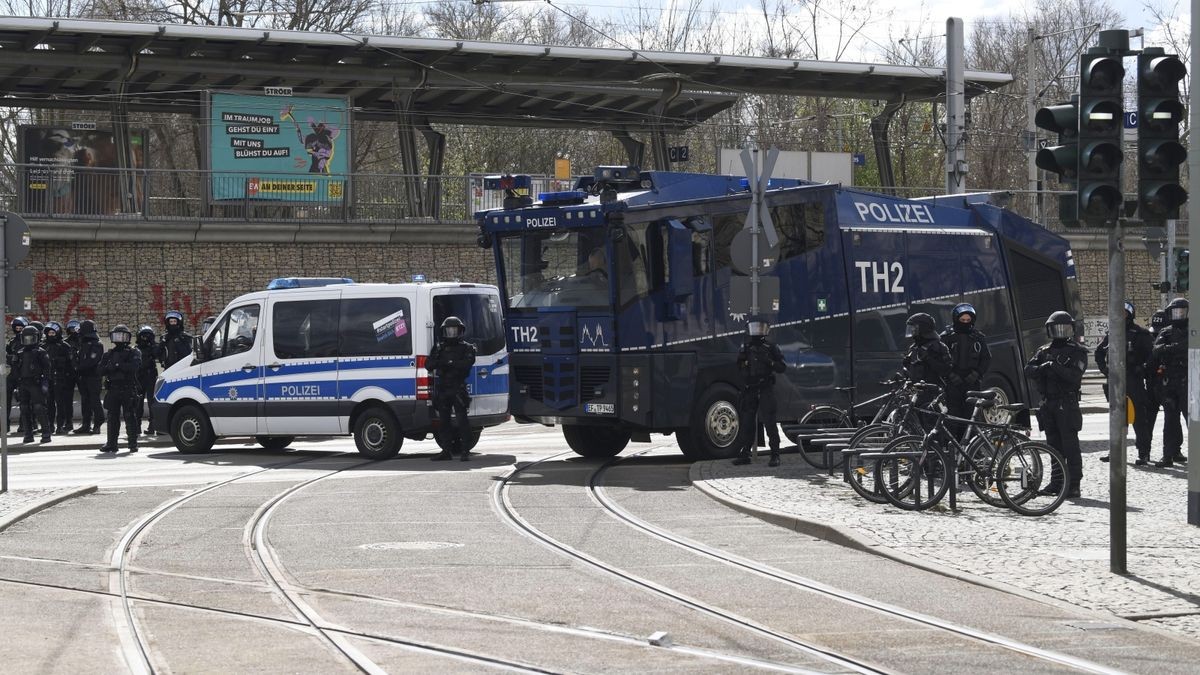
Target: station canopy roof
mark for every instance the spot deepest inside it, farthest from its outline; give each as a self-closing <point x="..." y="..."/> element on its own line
<point x="65" y="63"/>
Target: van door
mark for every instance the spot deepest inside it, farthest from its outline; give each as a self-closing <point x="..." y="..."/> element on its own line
<point x="376" y="352"/>
<point x="300" y="387"/>
<point x="479" y="309"/>
<point x="878" y="284"/>
<point x="232" y="374"/>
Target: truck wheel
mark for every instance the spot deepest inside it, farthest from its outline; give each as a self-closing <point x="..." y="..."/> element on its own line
<point x="377" y="434"/>
<point x="997" y="415"/>
<point x="274" y="442"/>
<point x="191" y="431"/>
<point x="715" y="425"/>
<point x="596" y="442"/>
<point x="468" y="442"/>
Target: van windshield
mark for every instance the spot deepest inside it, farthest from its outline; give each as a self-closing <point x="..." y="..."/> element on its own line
<point x="479" y="313"/>
<point x="557" y="268"/>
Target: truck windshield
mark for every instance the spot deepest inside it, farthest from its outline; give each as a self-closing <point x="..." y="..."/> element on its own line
<point x="557" y="268"/>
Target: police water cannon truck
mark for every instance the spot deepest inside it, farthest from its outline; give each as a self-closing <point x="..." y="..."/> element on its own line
<point x="621" y="322"/>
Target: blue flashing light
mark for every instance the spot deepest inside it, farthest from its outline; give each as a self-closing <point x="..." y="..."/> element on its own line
<point x="418" y="278"/>
<point x="744" y="183"/>
<point x="518" y="182"/>
<point x="306" y="282"/>
<point x="567" y="197"/>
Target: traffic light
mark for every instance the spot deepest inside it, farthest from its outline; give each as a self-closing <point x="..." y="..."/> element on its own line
<point x="1062" y="158"/>
<point x="1181" y="270"/>
<point x="1159" y="152"/>
<point x="1100" y="122"/>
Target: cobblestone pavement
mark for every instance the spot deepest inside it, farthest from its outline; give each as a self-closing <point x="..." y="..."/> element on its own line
<point x="16" y="504"/>
<point x="1062" y="556"/>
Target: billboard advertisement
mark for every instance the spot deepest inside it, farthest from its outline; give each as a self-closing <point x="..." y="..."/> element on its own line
<point x="72" y="171"/>
<point x="279" y="148"/>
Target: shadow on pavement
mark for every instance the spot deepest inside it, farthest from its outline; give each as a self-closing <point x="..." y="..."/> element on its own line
<point x="655" y="474"/>
<point x="253" y="455"/>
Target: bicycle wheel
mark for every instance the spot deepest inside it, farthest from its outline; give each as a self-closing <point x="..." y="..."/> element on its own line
<point x="1032" y="477"/>
<point x="861" y="472"/>
<point x="821" y="417"/>
<point x="982" y="456"/>
<point x="914" y="476"/>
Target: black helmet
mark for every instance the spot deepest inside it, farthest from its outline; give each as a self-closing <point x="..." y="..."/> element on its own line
<point x="1060" y="326"/>
<point x="758" y="327"/>
<point x="1177" y="310"/>
<point x="18" y="323"/>
<point x="73" y="327"/>
<point x="87" y="329"/>
<point x="30" y="336"/>
<point x="173" y="314"/>
<point x="145" y="335"/>
<point x="1129" y="310"/>
<point x="38" y="325"/>
<point x="961" y="310"/>
<point x="920" y="325"/>
<point x="54" y="327"/>
<point x="120" y="334"/>
<point x="207" y="323"/>
<point x="453" y="328"/>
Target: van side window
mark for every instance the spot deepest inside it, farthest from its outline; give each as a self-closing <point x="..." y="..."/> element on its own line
<point x="305" y="328"/>
<point x="480" y="313"/>
<point x="235" y="333"/>
<point x="801" y="227"/>
<point x="376" y="327"/>
<point x="725" y="228"/>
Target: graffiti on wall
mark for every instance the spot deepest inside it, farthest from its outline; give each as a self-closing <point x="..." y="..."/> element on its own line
<point x="194" y="309"/>
<point x="58" y="299"/>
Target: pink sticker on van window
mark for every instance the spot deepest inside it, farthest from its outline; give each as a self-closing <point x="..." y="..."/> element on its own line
<point x="401" y="328"/>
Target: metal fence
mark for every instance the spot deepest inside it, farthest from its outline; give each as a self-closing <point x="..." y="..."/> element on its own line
<point x="42" y="191"/>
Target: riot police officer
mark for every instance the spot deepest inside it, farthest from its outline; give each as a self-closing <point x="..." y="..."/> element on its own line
<point x="62" y="378"/>
<point x="1138" y="346"/>
<point x="1168" y="365"/>
<point x="1057" y="371"/>
<point x="927" y="360"/>
<point x="758" y="361"/>
<point x="12" y="351"/>
<point x="119" y="367"/>
<point x="146" y="375"/>
<point x="206" y="324"/>
<point x="33" y="374"/>
<point x="73" y="333"/>
<point x="970" y="359"/>
<point x="87" y="361"/>
<point x="175" y="344"/>
<point x="451" y="359"/>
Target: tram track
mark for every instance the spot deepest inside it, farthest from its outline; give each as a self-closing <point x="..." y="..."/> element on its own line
<point x="595" y="487"/>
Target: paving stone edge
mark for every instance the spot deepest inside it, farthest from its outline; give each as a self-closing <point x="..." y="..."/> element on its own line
<point x="44" y="503"/>
<point x="850" y="539"/>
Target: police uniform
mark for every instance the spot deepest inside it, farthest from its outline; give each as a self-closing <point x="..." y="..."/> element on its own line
<point x="151" y="353"/>
<point x="12" y="352"/>
<point x="87" y="361"/>
<point x="175" y="344"/>
<point x="1057" y="372"/>
<point x="119" y="367"/>
<point x="758" y="362"/>
<point x="62" y="378"/>
<point x="927" y="360"/>
<point x="451" y="359"/>
<point x="1138" y="347"/>
<point x="33" y="376"/>
<point x="970" y="359"/>
<point x="1168" y="368"/>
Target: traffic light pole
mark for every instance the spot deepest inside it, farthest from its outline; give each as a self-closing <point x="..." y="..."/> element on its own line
<point x="1117" y="413"/>
<point x="1193" y="407"/>
<point x="3" y="385"/>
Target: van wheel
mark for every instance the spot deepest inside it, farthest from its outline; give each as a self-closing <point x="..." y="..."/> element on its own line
<point x="997" y="415"/>
<point x="715" y="425"/>
<point x="191" y="431"/>
<point x="274" y="442"/>
<point x="377" y="434"/>
<point x="596" y="442"/>
<point x="468" y="442"/>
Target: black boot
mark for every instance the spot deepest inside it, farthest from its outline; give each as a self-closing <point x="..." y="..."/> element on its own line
<point x="1142" y="460"/>
<point x="774" y="461"/>
<point x="46" y="436"/>
<point x="109" y="449"/>
<point x="442" y="456"/>
<point x="28" y="438"/>
<point x="742" y="459"/>
<point x="1166" y="462"/>
<point x="132" y="448"/>
<point x="466" y="456"/>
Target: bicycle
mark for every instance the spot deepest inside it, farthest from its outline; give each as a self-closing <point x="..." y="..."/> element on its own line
<point x="824" y="425"/>
<point x="859" y="472"/>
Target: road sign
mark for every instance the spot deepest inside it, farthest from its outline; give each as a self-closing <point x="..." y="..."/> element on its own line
<point x="18" y="291"/>
<point x="858" y="159"/>
<point x="740" y="295"/>
<point x="16" y="238"/>
<point x="678" y="153"/>
<point x="741" y="253"/>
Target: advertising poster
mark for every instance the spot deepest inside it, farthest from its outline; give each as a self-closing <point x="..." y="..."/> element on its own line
<point x="73" y="171"/>
<point x="279" y="148"/>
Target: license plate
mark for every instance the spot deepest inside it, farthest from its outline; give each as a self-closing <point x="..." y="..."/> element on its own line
<point x="599" y="408"/>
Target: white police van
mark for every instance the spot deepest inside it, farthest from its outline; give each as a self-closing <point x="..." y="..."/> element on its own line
<point x="330" y="357"/>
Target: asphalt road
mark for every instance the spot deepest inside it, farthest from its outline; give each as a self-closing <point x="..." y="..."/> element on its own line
<point x="526" y="558"/>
